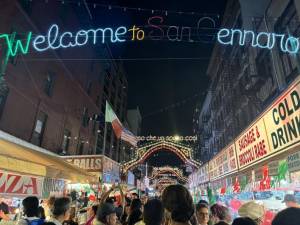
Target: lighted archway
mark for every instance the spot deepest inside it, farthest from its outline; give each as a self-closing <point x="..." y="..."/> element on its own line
<point x="159" y="172"/>
<point x="142" y="153"/>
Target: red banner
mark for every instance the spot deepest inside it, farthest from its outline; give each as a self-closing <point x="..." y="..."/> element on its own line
<point x="14" y="184"/>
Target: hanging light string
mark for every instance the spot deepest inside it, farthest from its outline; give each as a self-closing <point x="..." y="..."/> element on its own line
<point x="175" y="105"/>
<point x="95" y="5"/>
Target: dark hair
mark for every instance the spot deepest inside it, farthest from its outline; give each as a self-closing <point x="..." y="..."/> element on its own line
<point x="289" y="216"/>
<point x="200" y="206"/>
<point x="219" y="211"/>
<point x="61" y="206"/>
<point x="243" y="221"/>
<point x="42" y="213"/>
<point x="31" y="206"/>
<point x="95" y="208"/>
<point x="203" y="202"/>
<point x="110" y="200"/>
<point x="153" y="212"/>
<point x="178" y="201"/>
<point x="135" y="204"/>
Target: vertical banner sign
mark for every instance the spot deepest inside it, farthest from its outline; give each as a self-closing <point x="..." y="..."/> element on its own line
<point x="252" y="145"/>
<point x="283" y="120"/>
<point x="293" y="162"/>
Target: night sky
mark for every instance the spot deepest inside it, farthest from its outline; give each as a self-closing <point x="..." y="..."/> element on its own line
<point x="156" y="83"/>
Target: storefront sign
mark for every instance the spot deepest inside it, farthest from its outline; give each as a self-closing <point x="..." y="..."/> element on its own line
<point x="90" y="163"/>
<point x="223" y="163"/>
<point x="283" y="120"/>
<point x="252" y="146"/>
<point x="294" y="162"/>
<point x="111" y="170"/>
<point x="130" y="178"/>
<point x="53" y="187"/>
<point x="14" y="184"/>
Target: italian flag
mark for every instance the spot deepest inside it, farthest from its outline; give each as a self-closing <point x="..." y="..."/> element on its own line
<point x="111" y="117"/>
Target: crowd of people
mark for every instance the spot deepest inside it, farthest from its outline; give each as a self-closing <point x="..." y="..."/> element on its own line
<point x="174" y="207"/>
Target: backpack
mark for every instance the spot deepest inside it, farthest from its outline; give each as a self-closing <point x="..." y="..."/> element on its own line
<point x="35" y="222"/>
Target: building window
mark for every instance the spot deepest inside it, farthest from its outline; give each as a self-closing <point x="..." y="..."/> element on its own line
<point x="27" y="6"/>
<point x="85" y="117"/>
<point x="98" y="101"/>
<point x="66" y="141"/>
<point x="288" y="23"/>
<point x="3" y="97"/>
<point x="81" y="148"/>
<point x="89" y="87"/>
<point x="39" y="128"/>
<point x="49" y="84"/>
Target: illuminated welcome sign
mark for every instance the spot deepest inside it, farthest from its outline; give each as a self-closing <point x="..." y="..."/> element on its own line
<point x="286" y="43"/>
<point x="55" y="40"/>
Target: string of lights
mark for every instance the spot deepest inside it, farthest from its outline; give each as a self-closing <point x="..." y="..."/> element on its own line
<point x="122" y="8"/>
<point x="96" y="5"/>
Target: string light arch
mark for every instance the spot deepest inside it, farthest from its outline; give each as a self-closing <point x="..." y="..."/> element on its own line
<point x="144" y="152"/>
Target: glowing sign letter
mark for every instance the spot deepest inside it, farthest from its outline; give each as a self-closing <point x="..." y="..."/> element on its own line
<point x="52" y="36"/>
<point x="267" y="42"/>
<point x="292" y="43"/>
<point x="84" y="35"/>
<point x="222" y="35"/>
<point x="39" y="40"/>
<point x="121" y="33"/>
<point x="13" y="49"/>
<point x="61" y="40"/>
<point x="133" y="29"/>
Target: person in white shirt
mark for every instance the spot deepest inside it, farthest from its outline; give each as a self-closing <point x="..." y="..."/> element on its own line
<point x="60" y="211"/>
<point x="31" y="212"/>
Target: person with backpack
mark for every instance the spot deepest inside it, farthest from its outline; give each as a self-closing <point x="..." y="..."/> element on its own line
<point x="30" y="212"/>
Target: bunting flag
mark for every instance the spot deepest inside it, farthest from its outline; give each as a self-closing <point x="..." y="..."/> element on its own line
<point x="211" y="197"/>
<point x="282" y="170"/>
<point x="243" y="183"/>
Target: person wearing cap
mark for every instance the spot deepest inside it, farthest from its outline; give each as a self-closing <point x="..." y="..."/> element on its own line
<point x="254" y="211"/>
<point x="106" y="214"/>
<point x="290" y="201"/>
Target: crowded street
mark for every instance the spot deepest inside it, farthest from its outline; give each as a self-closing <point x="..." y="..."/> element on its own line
<point x="124" y="112"/>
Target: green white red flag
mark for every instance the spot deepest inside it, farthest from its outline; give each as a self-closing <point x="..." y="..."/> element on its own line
<point x="119" y="130"/>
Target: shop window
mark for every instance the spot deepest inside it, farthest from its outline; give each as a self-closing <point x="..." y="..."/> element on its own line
<point x="27" y="6"/>
<point x="39" y="128"/>
<point x="49" y="84"/>
<point x="66" y="141"/>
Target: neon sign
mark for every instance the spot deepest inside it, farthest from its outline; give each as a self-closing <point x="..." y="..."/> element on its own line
<point x="287" y="43"/>
<point x="54" y="39"/>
